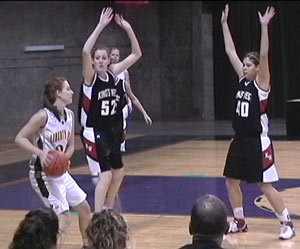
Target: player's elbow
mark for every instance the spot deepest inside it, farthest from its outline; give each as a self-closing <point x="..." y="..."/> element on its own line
<point x="138" y="55"/>
<point x="17" y="140"/>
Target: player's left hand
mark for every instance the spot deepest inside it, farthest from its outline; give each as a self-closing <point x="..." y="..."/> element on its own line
<point x="147" y="119"/>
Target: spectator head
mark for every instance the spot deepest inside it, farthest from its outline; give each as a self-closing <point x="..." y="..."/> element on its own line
<point x="108" y="229"/>
<point x="38" y="230"/>
<point x="208" y="217"/>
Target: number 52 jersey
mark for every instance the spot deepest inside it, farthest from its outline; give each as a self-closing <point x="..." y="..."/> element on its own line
<point x="100" y="103"/>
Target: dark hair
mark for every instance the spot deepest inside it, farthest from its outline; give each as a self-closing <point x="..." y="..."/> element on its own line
<point x="209" y="217"/>
<point x="99" y="47"/>
<point x="114" y="48"/>
<point x="38" y="230"/>
<point x="51" y="87"/>
<point x="253" y="56"/>
<point x="107" y="230"/>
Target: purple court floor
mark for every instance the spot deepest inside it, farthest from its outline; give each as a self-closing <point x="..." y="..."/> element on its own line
<point x="150" y="194"/>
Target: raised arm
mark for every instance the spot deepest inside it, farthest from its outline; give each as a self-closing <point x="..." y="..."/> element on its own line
<point x="136" y="52"/>
<point x="229" y="45"/>
<point x="87" y="66"/>
<point x="137" y="103"/>
<point x="263" y="77"/>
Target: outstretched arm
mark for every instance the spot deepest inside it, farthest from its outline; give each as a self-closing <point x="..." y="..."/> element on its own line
<point x="87" y="67"/>
<point x="229" y="45"/>
<point x="136" y="52"/>
<point x="263" y="77"/>
<point x="129" y="104"/>
<point x="137" y="103"/>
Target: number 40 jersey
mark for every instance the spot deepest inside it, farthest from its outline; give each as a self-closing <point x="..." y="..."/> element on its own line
<point x="250" y="109"/>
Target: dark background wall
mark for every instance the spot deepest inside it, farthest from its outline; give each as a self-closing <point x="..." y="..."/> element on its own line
<point x="183" y="75"/>
<point x="284" y="51"/>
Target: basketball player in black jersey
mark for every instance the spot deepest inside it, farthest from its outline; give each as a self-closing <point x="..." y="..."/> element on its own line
<point x="101" y="109"/>
<point x="251" y="157"/>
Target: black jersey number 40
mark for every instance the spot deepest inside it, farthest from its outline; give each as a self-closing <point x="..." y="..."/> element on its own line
<point x="242" y="109"/>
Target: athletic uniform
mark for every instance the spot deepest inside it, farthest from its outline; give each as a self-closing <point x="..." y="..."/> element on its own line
<point x="62" y="191"/>
<point x="127" y="108"/>
<point x="251" y="155"/>
<point x="101" y="118"/>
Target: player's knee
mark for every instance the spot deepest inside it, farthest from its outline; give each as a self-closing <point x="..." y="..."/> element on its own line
<point x="266" y="188"/>
<point x="118" y="174"/>
<point x="83" y="209"/>
<point x="105" y="177"/>
<point x="232" y="184"/>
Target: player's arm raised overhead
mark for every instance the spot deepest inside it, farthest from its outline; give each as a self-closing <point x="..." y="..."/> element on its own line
<point x="264" y="73"/>
<point x="87" y="65"/>
<point x="136" y="52"/>
<point x="229" y="44"/>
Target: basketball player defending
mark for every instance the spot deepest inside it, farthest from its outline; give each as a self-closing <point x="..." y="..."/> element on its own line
<point x="100" y="106"/>
<point x="251" y="157"/>
<point x="52" y="128"/>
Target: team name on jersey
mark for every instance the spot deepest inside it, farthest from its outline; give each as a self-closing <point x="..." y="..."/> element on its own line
<point x="107" y="93"/>
<point x="243" y="95"/>
<point x="60" y="135"/>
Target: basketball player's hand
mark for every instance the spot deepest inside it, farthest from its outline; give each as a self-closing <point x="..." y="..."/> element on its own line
<point x="147" y="119"/>
<point x="122" y="22"/>
<point x="46" y="159"/>
<point x="129" y="107"/>
<point x="225" y="14"/>
<point x="106" y="16"/>
<point x="265" y="19"/>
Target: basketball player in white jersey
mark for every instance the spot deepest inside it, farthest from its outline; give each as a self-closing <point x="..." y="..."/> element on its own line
<point x="52" y="128"/>
<point x="127" y="109"/>
<point x="251" y="157"/>
<point x="100" y="109"/>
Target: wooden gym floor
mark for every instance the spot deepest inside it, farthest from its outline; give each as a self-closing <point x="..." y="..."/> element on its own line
<point x="168" y="165"/>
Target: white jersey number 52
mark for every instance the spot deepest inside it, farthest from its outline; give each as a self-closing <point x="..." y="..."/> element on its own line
<point x="108" y="107"/>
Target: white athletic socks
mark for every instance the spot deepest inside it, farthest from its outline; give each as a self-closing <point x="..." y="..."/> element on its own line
<point x="284" y="217"/>
<point x="238" y="213"/>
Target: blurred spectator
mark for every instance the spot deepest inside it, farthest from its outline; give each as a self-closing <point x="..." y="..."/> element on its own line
<point x="38" y="230"/>
<point x="108" y="230"/>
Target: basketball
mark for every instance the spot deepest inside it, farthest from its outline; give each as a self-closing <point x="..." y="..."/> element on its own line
<point x="59" y="164"/>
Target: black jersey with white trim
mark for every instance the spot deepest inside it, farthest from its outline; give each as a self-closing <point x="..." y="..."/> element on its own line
<point x="100" y="103"/>
<point x="250" y="109"/>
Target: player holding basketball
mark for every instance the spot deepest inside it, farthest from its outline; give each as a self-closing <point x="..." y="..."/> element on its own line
<point x="251" y="156"/>
<point x="52" y="128"/>
<point x="101" y="110"/>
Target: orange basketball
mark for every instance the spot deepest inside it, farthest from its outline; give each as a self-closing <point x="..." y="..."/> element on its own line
<point x="59" y="164"/>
